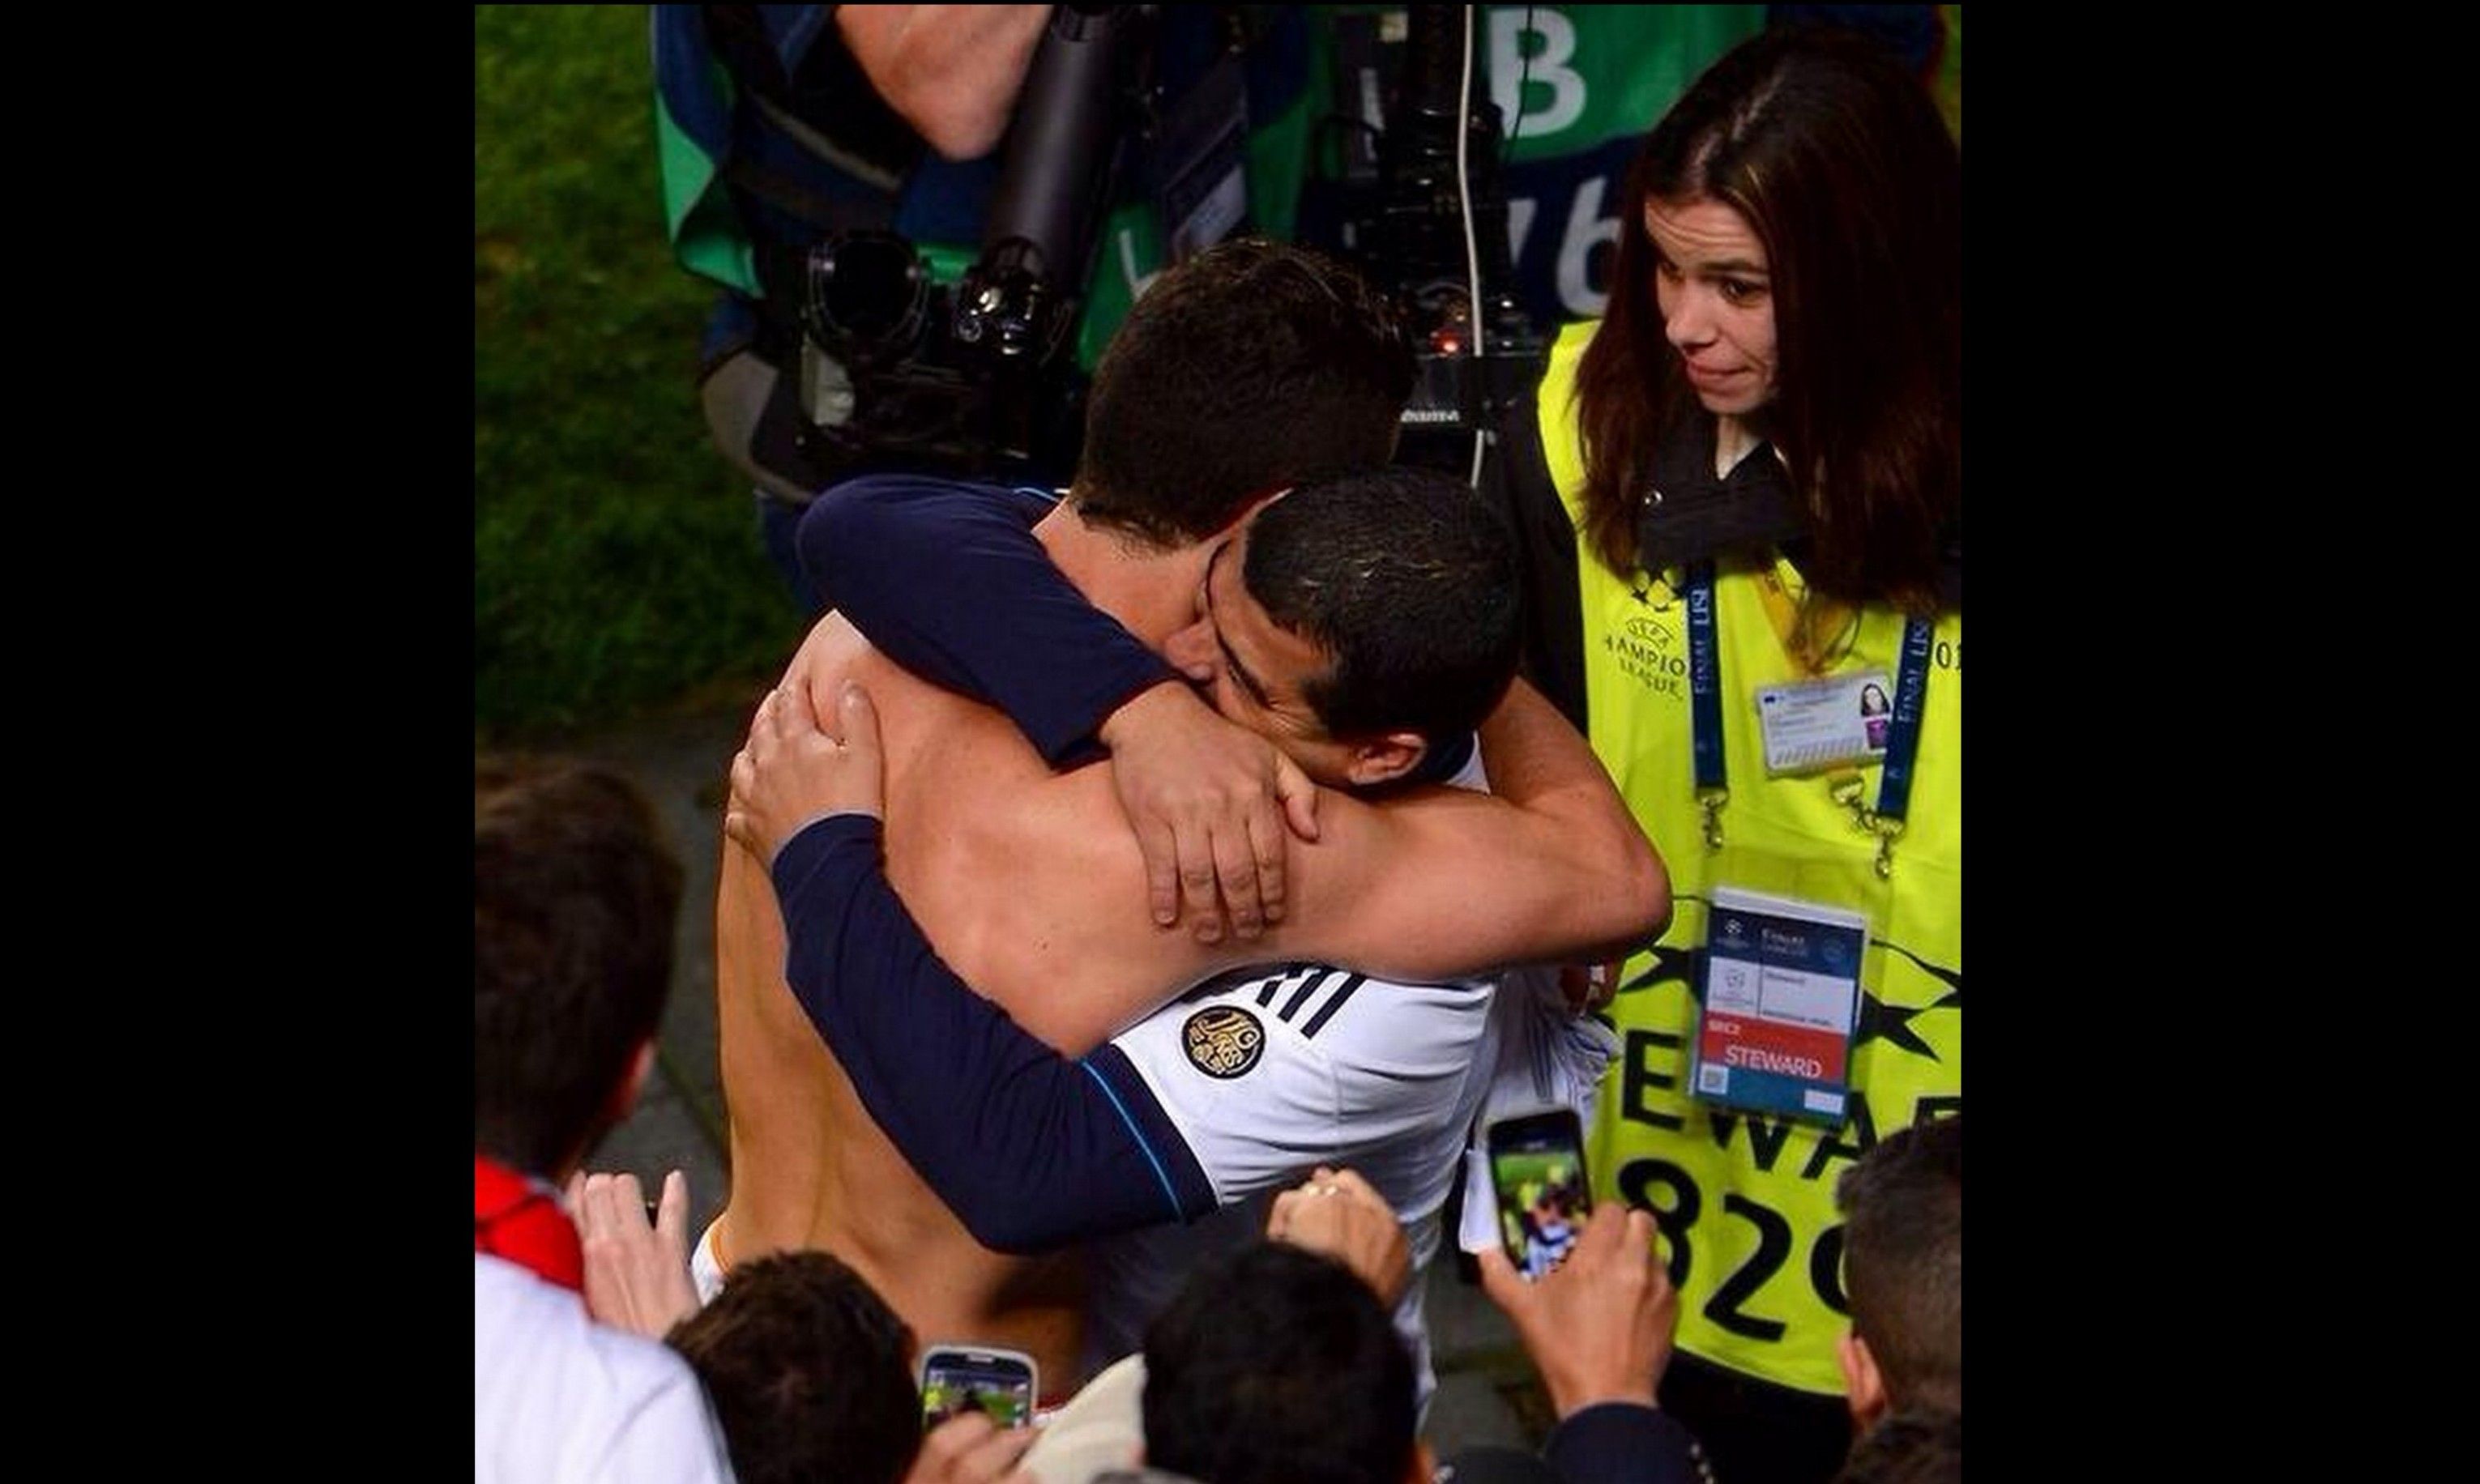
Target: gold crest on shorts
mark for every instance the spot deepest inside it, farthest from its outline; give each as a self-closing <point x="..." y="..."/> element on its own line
<point x="1223" y="1040"/>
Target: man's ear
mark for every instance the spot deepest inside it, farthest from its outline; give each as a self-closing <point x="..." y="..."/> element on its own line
<point x="1240" y="519"/>
<point x="1383" y="758"/>
<point x="1862" y="1384"/>
<point x="624" y="1098"/>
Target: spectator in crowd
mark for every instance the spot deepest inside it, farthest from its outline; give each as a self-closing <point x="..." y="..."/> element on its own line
<point x="809" y="1372"/>
<point x="1599" y="1329"/>
<point x="1335" y="1213"/>
<point x="1277" y="1365"/>
<point x="811" y="1377"/>
<point x="574" y="897"/>
<point x="1921" y="1444"/>
<point x="1902" y="1264"/>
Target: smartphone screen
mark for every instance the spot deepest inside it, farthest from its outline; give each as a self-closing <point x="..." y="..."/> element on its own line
<point x="998" y="1382"/>
<point x="1537" y="1165"/>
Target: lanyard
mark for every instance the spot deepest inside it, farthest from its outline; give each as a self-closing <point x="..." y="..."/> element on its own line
<point x="1705" y="727"/>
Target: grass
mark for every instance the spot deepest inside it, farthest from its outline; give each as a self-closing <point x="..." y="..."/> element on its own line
<point x="617" y="570"/>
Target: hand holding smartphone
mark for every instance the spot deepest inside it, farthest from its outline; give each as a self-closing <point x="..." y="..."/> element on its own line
<point x="1536" y="1169"/>
<point x="1001" y="1383"/>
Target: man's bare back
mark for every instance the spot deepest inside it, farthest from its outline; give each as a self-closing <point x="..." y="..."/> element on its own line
<point x="1024" y="880"/>
<point x="810" y="1167"/>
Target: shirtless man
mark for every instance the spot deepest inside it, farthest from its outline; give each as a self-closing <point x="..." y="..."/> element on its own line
<point x="1249" y="368"/>
<point x="1149" y="1147"/>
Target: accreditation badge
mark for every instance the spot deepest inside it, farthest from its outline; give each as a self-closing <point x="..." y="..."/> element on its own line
<point x="1838" y="721"/>
<point x="1779" y="998"/>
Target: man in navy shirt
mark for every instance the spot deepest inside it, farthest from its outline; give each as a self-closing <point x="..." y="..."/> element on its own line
<point x="1220" y="1096"/>
<point x="1251" y="368"/>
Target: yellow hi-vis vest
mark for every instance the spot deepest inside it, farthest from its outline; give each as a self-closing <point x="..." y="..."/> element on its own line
<point x="1745" y="1202"/>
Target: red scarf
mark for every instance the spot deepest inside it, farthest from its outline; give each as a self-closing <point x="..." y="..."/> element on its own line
<point x="520" y="1218"/>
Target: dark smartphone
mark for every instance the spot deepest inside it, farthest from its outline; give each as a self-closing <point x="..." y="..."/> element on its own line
<point x="957" y="1376"/>
<point x="1537" y="1168"/>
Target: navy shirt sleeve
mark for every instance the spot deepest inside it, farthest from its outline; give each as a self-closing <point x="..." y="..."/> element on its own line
<point x="1032" y="1150"/>
<point x="1625" y="1443"/>
<point x="947" y="579"/>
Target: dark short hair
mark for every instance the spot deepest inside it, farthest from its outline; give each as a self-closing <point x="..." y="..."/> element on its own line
<point x="1913" y="1446"/>
<point x="1250" y="366"/>
<point x="1274" y="1365"/>
<point x="575" y="901"/>
<point x="809" y="1372"/>
<point x="1903" y="1259"/>
<point x="1406" y="578"/>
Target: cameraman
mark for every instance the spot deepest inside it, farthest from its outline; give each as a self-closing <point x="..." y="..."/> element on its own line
<point x="781" y="127"/>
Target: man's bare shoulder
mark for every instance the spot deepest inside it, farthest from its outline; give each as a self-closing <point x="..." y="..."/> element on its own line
<point x="965" y="771"/>
<point x="835" y="652"/>
<point x="913" y="712"/>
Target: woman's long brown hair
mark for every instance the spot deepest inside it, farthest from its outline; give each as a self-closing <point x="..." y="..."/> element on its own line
<point x="1841" y="165"/>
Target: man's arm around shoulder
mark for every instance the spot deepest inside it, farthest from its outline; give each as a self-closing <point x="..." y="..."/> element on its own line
<point x="1548" y="867"/>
